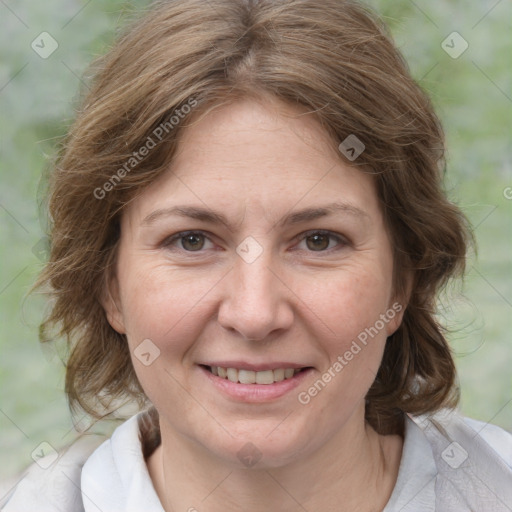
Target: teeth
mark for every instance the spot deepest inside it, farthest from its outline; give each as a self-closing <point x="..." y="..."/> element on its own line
<point x="279" y="375"/>
<point x="251" y="377"/>
<point x="232" y="375"/>
<point x="288" y="373"/>
<point x="244" y="376"/>
<point x="266" y="377"/>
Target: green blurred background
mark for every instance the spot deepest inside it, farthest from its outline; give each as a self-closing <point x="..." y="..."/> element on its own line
<point x="472" y="94"/>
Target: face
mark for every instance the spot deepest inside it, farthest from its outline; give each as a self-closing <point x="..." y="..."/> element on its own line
<point x="260" y="251"/>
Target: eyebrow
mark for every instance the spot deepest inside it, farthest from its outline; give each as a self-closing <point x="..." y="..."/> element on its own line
<point x="213" y="217"/>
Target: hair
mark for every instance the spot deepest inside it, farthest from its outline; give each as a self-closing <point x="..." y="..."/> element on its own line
<point x="333" y="58"/>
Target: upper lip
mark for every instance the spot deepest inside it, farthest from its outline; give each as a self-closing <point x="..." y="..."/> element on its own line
<point x="255" y="367"/>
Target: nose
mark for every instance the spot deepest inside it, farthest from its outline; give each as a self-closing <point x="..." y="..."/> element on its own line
<point x="256" y="303"/>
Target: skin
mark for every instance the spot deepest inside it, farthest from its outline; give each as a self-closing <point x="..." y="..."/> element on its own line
<point x="256" y="162"/>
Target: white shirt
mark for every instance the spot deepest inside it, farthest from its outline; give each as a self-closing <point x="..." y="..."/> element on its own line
<point x="448" y="464"/>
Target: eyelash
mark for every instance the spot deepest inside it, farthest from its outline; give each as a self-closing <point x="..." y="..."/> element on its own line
<point x="168" y="242"/>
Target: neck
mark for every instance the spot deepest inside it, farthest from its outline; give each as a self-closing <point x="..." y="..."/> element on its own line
<point x="354" y="470"/>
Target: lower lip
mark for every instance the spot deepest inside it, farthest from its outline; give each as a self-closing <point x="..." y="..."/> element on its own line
<point x="254" y="393"/>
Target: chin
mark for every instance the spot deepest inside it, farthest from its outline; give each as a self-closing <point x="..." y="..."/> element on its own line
<point x="269" y="443"/>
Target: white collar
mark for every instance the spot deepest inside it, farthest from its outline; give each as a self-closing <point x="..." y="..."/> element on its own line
<point x="116" y="478"/>
<point x="415" y="486"/>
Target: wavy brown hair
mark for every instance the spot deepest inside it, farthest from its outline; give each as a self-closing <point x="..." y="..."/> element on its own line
<point x="332" y="57"/>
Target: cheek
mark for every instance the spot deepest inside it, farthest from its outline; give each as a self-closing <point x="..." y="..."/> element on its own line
<point x="349" y="309"/>
<point x="164" y="308"/>
<point x="349" y="301"/>
<point x="163" y="305"/>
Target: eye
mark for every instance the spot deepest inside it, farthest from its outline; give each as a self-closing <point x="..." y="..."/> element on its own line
<point x="190" y="241"/>
<point x="321" y="241"/>
<point x="196" y="241"/>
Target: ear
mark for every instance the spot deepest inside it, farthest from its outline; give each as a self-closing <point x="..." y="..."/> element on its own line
<point x="111" y="303"/>
<point x="398" y="304"/>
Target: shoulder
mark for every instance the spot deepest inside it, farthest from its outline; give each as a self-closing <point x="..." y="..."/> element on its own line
<point x="473" y="462"/>
<point x="497" y="438"/>
<point x="467" y="436"/>
<point x="94" y="466"/>
<point x="52" y="484"/>
<point x="450" y="462"/>
<point x="95" y="472"/>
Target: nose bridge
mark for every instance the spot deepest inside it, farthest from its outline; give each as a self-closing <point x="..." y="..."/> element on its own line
<point x="256" y="301"/>
<point x="255" y="282"/>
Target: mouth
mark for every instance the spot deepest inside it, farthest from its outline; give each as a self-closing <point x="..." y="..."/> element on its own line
<point x="244" y="376"/>
<point x="247" y="383"/>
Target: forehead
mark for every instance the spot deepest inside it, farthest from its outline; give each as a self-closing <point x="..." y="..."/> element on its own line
<point x="257" y="133"/>
<point x="268" y="156"/>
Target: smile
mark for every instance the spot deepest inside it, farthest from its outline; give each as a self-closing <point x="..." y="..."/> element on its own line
<point x="255" y="385"/>
<point x="254" y="377"/>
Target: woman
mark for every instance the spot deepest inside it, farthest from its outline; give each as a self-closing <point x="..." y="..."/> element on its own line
<point x="249" y="235"/>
